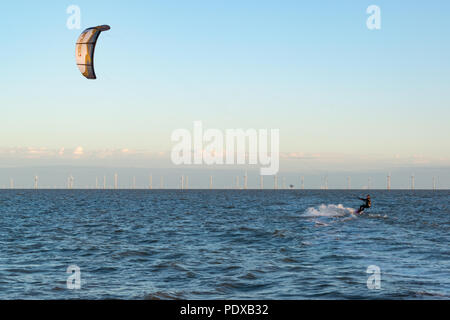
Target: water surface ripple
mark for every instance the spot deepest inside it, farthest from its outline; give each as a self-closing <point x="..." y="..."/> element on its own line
<point x="222" y="244"/>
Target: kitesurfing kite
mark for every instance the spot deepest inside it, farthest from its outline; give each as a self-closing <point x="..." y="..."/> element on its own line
<point x="84" y="50"/>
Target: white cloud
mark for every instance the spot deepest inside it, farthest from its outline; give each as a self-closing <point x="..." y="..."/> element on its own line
<point x="78" y="151"/>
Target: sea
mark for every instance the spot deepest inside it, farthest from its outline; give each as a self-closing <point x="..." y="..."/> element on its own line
<point x="224" y="244"/>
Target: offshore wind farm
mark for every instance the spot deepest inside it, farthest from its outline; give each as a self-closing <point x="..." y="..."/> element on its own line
<point x="235" y="181"/>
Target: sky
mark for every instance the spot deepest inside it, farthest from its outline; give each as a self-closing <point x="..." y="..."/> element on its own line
<point x="343" y="97"/>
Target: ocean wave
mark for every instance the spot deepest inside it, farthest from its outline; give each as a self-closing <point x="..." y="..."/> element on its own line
<point x="431" y="294"/>
<point x="164" y="296"/>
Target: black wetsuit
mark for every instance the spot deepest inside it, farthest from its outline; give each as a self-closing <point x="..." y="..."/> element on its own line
<point x="367" y="204"/>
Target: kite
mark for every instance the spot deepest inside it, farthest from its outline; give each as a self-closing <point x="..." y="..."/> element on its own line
<point x="84" y="50"/>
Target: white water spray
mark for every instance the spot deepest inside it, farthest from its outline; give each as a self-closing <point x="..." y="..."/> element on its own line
<point x="330" y="210"/>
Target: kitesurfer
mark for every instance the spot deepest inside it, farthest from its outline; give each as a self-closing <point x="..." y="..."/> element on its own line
<point x="367" y="204"/>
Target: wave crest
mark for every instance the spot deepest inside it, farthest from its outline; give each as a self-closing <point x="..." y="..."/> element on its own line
<point x="331" y="210"/>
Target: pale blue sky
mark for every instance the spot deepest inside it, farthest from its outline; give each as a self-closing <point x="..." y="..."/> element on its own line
<point x="310" y="68"/>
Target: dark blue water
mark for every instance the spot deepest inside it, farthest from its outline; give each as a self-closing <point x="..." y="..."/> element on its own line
<point x="167" y="244"/>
